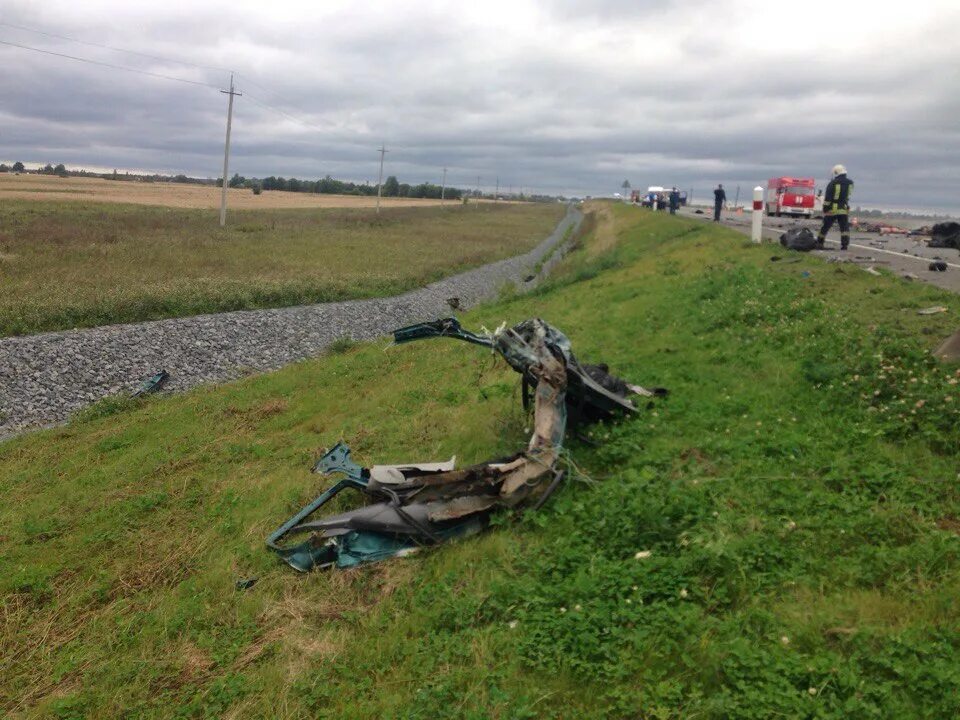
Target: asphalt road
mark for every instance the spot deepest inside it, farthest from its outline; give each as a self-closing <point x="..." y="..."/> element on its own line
<point x="901" y="254"/>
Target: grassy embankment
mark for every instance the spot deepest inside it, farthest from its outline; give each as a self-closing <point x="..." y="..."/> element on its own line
<point x="68" y="264"/>
<point x="778" y="538"/>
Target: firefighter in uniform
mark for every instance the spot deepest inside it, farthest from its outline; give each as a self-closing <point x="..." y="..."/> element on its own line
<point x="836" y="207"/>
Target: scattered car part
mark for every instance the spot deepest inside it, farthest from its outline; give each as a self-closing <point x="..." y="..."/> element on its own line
<point x="588" y="398"/>
<point x="882" y="228"/>
<point x="417" y="504"/>
<point x="945" y="235"/>
<point x="152" y="384"/>
<point x="935" y="310"/>
<point x="938" y="266"/>
<point x="246" y="583"/>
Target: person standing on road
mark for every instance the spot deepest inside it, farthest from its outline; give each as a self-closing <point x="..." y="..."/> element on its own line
<point x="674" y="200"/>
<point x="719" y="198"/>
<point x="836" y="207"/>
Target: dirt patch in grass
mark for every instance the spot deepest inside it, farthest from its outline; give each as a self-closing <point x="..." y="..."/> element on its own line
<point x="604" y="233"/>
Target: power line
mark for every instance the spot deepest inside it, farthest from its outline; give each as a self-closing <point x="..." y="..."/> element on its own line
<point x="114" y="49"/>
<point x="99" y="63"/>
<point x="110" y="65"/>
<point x="262" y="103"/>
<point x="279" y="97"/>
<point x="267" y="106"/>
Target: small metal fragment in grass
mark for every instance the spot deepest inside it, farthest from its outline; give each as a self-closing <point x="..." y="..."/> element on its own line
<point x="247" y="583"/>
<point x="152" y="384"/>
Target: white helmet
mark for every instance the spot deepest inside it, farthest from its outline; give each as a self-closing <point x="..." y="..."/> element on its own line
<point x="839" y="170"/>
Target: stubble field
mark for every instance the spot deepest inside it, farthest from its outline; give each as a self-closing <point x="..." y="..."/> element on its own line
<point x="179" y="195"/>
<point x="66" y="264"/>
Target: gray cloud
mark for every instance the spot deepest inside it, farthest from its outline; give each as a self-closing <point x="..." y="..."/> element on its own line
<point x="566" y="97"/>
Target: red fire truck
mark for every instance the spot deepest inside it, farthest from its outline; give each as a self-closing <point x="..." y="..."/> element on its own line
<point x="790" y="196"/>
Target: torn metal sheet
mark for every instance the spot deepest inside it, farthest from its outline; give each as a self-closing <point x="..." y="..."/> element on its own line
<point x="592" y="393"/>
<point x="152" y="384"/>
<point x="459" y="507"/>
<point x="392" y="474"/>
<point x="416" y="504"/>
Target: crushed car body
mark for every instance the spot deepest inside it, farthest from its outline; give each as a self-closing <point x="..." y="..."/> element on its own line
<point x="418" y="504"/>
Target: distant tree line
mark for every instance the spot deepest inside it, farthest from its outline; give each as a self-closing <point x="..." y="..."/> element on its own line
<point x="47" y="169"/>
<point x="392" y="187"/>
<point x="328" y="185"/>
<point x="61" y="171"/>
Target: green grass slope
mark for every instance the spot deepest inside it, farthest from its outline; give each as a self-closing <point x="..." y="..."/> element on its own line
<point x="778" y="538"/>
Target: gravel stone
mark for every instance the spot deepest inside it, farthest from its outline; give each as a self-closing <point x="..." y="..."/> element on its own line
<point x="47" y="377"/>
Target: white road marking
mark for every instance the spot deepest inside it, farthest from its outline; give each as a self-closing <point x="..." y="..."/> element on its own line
<point x="898" y="254"/>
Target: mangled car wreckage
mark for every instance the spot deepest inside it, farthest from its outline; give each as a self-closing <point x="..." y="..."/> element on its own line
<point x="425" y="504"/>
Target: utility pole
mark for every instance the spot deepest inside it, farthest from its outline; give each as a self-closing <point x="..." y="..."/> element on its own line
<point x="383" y="151"/>
<point x="443" y="186"/>
<point x="496" y="195"/>
<point x="478" y="192"/>
<point x="226" y="153"/>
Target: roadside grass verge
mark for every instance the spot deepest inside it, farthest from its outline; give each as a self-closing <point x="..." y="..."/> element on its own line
<point x="778" y="537"/>
<point x="67" y="264"/>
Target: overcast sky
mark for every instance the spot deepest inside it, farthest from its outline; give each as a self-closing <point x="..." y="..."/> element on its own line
<point x="562" y="97"/>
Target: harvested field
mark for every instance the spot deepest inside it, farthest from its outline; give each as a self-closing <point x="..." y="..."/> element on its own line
<point x="66" y="264"/>
<point x="179" y="195"/>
